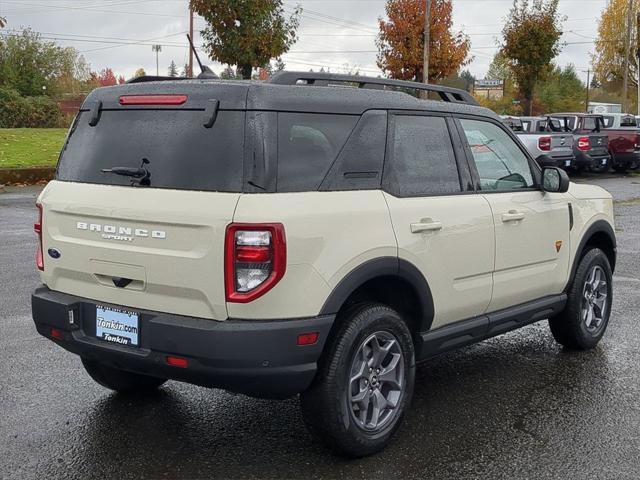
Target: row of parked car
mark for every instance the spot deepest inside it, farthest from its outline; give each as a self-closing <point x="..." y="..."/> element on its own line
<point x="581" y="141"/>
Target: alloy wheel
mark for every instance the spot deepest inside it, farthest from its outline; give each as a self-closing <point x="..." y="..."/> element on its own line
<point x="376" y="381"/>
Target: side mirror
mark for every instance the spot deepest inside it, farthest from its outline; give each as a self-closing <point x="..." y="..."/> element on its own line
<point x="555" y="180"/>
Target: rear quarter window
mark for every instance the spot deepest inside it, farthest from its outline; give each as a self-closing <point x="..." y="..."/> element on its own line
<point x="308" y="145"/>
<point x="182" y="153"/>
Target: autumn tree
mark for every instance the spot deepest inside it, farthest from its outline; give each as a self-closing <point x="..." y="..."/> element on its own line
<point x="609" y="58"/>
<point x="3" y="22"/>
<point x="400" y="41"/>
<point x="531" y="41"/>
<point x="121" y="79"/>
<point x="246" y="33"/>
<point x="140" y="73"/>
<point x="106" y="77"/>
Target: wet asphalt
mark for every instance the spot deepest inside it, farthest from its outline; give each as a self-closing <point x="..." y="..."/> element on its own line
<point x="514" y="407"/>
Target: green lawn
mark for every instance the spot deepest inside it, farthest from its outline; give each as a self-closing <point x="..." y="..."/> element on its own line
<point x="30" y="147"/>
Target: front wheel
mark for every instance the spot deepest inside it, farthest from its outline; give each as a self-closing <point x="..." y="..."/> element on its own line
<point x="585" y="318"/>
<point x="364" y="383"/>
<point x="121" y="380"/>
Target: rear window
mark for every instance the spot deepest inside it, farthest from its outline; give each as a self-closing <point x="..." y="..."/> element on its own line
<point x="182" y="153"/>
<point x="591" y="124"/>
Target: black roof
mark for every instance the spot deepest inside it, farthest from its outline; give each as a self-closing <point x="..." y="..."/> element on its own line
<point x="240" y="95"/>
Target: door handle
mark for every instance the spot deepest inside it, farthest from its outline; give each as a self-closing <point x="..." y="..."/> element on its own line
<point x="426" y="225"/>
<point x="512" y="216"/>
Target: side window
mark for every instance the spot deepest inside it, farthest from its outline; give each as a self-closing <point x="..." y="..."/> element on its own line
<point x="423" y="161"/>
<point x="628" y="122"/>
<point x="500" y="163"/>
<point x="308" y="144"/>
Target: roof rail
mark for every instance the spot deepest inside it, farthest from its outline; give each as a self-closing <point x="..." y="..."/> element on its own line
<point x="447" y="94"/>
<point x="154" y="78"/>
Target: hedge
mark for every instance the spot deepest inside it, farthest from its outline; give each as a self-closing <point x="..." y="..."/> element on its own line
<point x="17" y="111"/>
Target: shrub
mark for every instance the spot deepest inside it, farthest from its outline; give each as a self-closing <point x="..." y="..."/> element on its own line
<point x="17" y="111"/>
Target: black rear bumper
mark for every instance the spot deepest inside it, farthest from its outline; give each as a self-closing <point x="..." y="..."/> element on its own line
<point x="626" y="159"/>
<point x="559" y="161"/>
<point x="257" y="358"/>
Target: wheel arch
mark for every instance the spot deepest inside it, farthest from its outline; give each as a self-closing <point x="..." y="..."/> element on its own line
<point x="389" y="280"/>
<point x="599" y="235"/>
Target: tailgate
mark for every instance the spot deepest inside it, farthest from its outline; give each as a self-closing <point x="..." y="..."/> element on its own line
<point x="146" y="184"/>
<point x="562" y="145"/>
<point x="599" y="144"/>
<point x="167" y="244"/>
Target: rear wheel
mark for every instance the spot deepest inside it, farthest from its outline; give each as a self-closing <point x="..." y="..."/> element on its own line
<point x="121" y="380"/>
<point x="364" y="383"/>
<point x="584" y="320"/>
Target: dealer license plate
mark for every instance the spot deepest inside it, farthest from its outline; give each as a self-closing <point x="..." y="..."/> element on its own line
<point x="117" y="326"/>
<point x="604" y="161"/>
<point x="567" y="163"/>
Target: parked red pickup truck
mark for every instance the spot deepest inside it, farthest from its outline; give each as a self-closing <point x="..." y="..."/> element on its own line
<point x="623" y="141"/>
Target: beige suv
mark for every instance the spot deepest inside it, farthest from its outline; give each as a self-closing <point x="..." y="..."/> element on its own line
<point x="314" y="235"/>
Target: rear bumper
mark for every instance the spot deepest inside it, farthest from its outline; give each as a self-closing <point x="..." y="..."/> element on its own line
<point x="559" y="161"/>
<point x="627" y="159"/>
<point x="586" y="160"/>
<point x="257" y="358"/>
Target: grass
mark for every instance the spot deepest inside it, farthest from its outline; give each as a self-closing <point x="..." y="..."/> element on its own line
<point x="30" y="147"/>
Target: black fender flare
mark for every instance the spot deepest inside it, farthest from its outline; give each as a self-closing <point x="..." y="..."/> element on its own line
<point x="599" y="226"/>
<point x="383" y="267"/>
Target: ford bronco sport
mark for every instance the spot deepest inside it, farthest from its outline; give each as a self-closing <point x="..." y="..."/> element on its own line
<point x="314" y="235"/>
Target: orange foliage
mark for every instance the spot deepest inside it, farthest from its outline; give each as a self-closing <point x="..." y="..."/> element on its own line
<point x="401" y="41"/>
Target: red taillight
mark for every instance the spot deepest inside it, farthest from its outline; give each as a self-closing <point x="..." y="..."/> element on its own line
<point x="544" y="144"/>
<point x="153" y="99"/>
<point x="55" y="333"/>
<point x="177" y="361"/>
<point x="583" y="144"/>
<point x="308" y="338"/>
<point x="37" y="227"/>
<point x="255" y="260"/>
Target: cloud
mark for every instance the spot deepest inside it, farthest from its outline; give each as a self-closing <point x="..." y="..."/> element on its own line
<point x="332" y="32"/>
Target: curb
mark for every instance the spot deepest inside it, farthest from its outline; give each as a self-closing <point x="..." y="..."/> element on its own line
<point x="26" y="176"/>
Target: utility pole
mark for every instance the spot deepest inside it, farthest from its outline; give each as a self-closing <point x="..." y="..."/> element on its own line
<point x="638" y="57"/>
<point x="627" y="52"/>
<point x="586" y="106"/>
<point x="190" y="72"/>
<point x="427" y="39"/>
<point x="157" y="49"/>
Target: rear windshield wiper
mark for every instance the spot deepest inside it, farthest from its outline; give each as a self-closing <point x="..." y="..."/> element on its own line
<point x="140" y="174"/>
<point x="126" y="171"/>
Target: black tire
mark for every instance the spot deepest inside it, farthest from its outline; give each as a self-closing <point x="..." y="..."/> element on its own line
<point x="569" y="328"/>
<point x="327" y="405"/>
<point x="121" y="380"/>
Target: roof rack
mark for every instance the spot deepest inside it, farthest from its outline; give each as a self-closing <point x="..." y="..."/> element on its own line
<point x="447" y="94"/>
<point x="155" y="78"/>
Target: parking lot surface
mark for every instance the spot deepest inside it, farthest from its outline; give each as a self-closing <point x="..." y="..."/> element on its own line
<point x="514" y="407"/>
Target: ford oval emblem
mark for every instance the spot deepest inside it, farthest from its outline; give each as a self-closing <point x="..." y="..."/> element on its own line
<point x="53" y="253"/>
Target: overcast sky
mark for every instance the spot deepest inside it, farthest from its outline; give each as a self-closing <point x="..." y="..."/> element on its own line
<point x="332" y="32"/>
